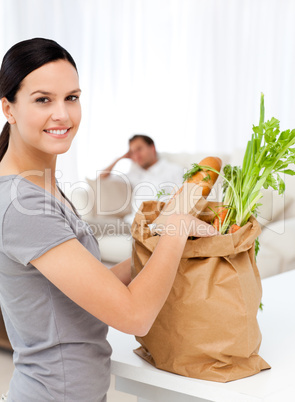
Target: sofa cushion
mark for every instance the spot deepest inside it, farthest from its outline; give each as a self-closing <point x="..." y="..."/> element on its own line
<point x="276" y="254"/>
<point x="274" y="206"/>
<point x="115" y="249"/>
<point x="111" y="196"/>
<point x="186" y="159"/>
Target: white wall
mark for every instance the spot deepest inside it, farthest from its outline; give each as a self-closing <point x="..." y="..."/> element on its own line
<point x="187" y="72"/>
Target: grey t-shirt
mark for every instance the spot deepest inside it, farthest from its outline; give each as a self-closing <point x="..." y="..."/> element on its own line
<point x="60" y="350"/>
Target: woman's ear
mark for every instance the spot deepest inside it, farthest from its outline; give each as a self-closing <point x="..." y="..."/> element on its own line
<point x="6" y="107"/>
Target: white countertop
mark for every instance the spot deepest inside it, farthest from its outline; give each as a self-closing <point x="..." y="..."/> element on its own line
<point x="277" y="324"/>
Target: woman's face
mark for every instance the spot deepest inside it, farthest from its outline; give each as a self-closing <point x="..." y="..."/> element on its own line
<point x="47" y="111"/>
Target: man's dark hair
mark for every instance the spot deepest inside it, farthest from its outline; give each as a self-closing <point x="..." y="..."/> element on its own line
<point x="144" y="137"/>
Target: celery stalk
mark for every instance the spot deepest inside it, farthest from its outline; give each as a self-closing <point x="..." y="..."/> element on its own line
<point x="268" y="153"/>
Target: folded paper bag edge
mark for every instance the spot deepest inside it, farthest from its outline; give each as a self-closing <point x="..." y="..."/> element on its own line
<point x="216" y="246"/>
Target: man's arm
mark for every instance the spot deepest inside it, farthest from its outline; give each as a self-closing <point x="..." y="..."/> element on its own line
<point x="107" y="171"/>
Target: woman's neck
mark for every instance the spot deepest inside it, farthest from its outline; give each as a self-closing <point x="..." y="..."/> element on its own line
<point x="34" y="169"/>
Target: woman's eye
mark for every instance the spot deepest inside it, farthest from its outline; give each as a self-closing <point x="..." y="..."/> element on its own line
<point x="42" y="100"/>
<point x="72" y="98"/>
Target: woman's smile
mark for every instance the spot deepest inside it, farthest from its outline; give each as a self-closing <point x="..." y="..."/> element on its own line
<point x="58" y="132"/>
<point x="47" y="103"/>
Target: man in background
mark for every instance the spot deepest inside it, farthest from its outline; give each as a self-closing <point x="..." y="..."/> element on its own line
<point x="149" y="173"/>
<point x="147" y="166"/>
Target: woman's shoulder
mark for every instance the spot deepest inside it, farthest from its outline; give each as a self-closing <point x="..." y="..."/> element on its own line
<point x="19" y="194"/>
<point x="19" y="185"/>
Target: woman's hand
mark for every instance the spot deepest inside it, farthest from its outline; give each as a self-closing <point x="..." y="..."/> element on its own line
<point x="186" y="224"/>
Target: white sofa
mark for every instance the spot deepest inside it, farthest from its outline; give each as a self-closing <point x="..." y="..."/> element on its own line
<point x="102" y="203"/>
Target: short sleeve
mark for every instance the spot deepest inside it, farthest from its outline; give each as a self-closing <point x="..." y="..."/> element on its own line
<point x="33" y="224"/>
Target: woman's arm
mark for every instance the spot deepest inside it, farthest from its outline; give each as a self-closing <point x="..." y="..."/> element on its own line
<point x="123" y="271"/>
<point x="85" y="280"/>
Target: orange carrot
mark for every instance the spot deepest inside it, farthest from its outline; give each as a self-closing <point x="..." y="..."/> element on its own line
<point x="220" y="217"/>
<point x="234" y="228"/>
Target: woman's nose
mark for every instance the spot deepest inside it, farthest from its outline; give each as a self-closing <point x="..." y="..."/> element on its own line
<point x="60" y="112"/>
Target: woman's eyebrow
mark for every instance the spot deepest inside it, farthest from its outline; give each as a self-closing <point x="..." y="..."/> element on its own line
<point x="76" y="90"/>
<point x="40" y="91"/>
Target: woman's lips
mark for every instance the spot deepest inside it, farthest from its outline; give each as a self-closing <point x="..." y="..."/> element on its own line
<point x="58" y="133"/>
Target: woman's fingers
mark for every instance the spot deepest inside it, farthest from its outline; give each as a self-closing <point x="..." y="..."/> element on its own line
<point x="199" y="228"/>
<point x="188" y="225"/>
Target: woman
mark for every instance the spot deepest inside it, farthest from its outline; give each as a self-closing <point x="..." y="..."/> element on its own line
<point x="57" y="298"/>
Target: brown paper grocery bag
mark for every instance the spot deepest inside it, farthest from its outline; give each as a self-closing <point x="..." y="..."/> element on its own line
<point x="207" y="328"/>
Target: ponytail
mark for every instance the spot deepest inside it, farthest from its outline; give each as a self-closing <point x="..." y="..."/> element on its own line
<point x="4" y="140"/>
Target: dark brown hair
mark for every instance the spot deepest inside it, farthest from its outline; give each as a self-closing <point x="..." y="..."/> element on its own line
<point x="19" y="61"/>
<point x="148" y="140"/>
